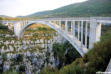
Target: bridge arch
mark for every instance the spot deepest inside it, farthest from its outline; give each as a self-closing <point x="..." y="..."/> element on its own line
<point x="58" y="29"/>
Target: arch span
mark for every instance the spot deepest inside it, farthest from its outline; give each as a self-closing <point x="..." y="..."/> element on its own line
<point x="61" y="32"/>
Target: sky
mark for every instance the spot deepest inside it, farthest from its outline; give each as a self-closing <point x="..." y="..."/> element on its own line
<point x="25" y="7"/>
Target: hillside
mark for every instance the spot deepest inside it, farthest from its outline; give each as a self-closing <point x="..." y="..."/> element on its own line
<point x="84" y="9"/>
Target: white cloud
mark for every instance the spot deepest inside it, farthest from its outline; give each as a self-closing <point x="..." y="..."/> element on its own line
<point x="25" y="7"/>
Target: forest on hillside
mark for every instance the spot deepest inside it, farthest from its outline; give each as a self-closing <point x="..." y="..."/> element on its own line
<point x="84" y="9"/>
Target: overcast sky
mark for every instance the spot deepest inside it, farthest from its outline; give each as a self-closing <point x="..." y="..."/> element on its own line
<point x="26" y="7"/>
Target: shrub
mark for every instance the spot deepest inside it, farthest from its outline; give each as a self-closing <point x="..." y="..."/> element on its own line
<point x="10" y="72"/>
<point x="72" y="69"/>
<point x="19" y="58"/>
<point x="4" y="56"/>
<point x="100" y="55"/>
<point x="3" y="27"/>
<point x="49" y="70"/>
<point x="22" y="68"/>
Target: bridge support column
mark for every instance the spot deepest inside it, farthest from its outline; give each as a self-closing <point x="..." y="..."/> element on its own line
<point x="60" y="24"/>
<point x="86" y="33"/>
<point x="66" y="26"/>
<point x="95" y="32"/>
<point x="98" y="31"/>
<point x="81" y="34"/>
<point x="78" y="30"/>
<point x="73" y="29"/>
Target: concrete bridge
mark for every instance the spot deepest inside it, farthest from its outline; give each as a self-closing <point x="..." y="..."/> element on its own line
<point x="82" y="32"/>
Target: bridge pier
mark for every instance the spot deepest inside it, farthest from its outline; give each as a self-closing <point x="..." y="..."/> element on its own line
<point x="60" y="24"/>
<point x="86" y="34"/>
<point x="81" y="34"/>
<point x="66" y="26"/>
<point x="78" y="24"/>
<point x="73" y="25"/>
<point x="95" y="32"/>
<point x="98" y="31"/>
<point x="72" y="28"/>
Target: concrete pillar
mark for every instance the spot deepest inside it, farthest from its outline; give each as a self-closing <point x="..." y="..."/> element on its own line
<point x="74" y="32"/>
<point x="73" y="28"/>
<point x="81" y="33"/>
<point x="60" y="24"/>
<point x="78" y="30"/>
<point x="86" y="33"/>
<point x="95" y="32"/>
<point x="98" y="31"/>
<point x="92" y="37"/>
<point x="66" y="26"/>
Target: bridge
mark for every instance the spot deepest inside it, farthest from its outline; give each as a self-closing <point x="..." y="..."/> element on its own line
<point x="81" y="32"/>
